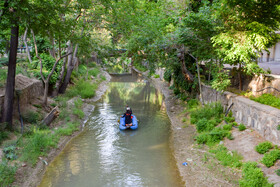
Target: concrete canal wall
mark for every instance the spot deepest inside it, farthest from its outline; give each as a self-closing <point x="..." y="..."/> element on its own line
<point x="259" y="117"/>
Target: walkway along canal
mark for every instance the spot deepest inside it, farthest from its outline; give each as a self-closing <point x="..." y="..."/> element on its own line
<point x="102" y="155"/>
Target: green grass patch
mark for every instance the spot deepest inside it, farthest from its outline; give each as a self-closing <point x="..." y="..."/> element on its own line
<point x="267" y="99"/>
<point x="226" y="157"/>
<point x="263" y="147"/>
<point x="68" y="130"/>
<point x="241" y="127"/>
<point x="37" y="145"/>
<point x="253" y="176"/>
<point x="7" y="173"/>
<point x="85" y="89"/>
<point x="270" y="157"/>
<point x="31" y="116"/>
<point x="93" y="72"/>
<point x="3" y="136"/>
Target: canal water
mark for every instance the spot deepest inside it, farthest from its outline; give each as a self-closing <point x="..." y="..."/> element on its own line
<point x="102" y="155"/>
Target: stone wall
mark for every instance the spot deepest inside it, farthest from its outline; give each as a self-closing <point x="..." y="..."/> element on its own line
<point x="259" y="117"/>
<point x="28" y="89"/>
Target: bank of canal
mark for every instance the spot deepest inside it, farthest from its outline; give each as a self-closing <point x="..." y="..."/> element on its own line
<point x="102" y="155"/>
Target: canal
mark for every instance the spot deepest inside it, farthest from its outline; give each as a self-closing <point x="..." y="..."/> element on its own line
<point x="102" y="155"/>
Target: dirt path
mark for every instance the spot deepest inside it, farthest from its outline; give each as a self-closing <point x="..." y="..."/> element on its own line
<point x="201" y="170"/>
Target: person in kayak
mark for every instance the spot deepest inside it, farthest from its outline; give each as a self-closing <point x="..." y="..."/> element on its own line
<point x="128" y="117"/>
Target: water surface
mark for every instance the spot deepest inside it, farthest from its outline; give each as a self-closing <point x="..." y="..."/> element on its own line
<point x="102" y="155"/>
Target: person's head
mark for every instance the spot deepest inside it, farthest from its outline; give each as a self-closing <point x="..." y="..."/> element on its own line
<point x="127" y="108"/>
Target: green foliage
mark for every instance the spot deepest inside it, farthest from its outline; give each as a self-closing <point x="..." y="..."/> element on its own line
<point x="79" y="113"/>
<point x="167" y="75"/>
<point x="221" y="81"/>
<point x="9" y="152"/>
<point x="7" y="174"/>
<point x="209" y="111"/>
<point x="156" y="76"/>
<point x="263" y="147"/>
<point x="37" y="145"/>
<point x="140" y="67"/>
<point x="85" y="89"/>
<point x="93" y="72"/>
<point x="267" y="99"/>
<point x="253" y="176"/>
<point x="271" y="157"/>
<point x="205" y="125"/>
<point x="226" y="157"/>
<point x="227" y="127"/>
<point x="229" y="119"/>
<point x="68" y="130"/>
<point x="277" y="172"/>
<point x="3" y="76"/>
<point x="212" y="137"/>
<point x="3" y="135"/>
<point x="192" y="103"/>
<point x="241" y="127"/>
<point x="31" y="117"/>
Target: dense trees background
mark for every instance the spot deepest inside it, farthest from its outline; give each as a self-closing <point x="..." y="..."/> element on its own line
<point x="171" y="34"/>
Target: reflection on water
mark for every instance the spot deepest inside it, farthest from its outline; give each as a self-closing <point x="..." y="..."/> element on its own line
<point x="102" y="155"/>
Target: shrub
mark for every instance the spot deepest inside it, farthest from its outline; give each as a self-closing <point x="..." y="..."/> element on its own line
<point x="227" y="158"/>
<point x="229" y="119"/>
<point x="156" y="76"/>
<point x="31" y="117"/>
<point x="270" y="158"/>
<point x="241" y="127"/>
<point x="263" y="147"/>
<point x="9" y="152"/>
<point x="227" y="127"/>
<point x="167" y="75"/>
<point x="216" y="135"/>
<point x="202" y="138"/>
<point x="205" y="125"/>
<point x="7" y="174"/>
<point x="209" y="111"/>
<point x="192" y="103"/>
<point x="277" y="172"/>
<point x="93" y="72"/>
<point x="253" y="176"/>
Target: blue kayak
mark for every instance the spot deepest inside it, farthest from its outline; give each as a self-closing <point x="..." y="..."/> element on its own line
<point x="134" y="123"/>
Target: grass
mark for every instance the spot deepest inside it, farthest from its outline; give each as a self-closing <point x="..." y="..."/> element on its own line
<point x="253" y="176"/>
<point x="31" y="117"/>
<point x="241" y="127"/>
<point x="270" y="157"/>
<point x="85" y="89"/>
<point x="263" y="147"/>
<point x="226" y="157"/>
<point x="267" y="99"/>
<point x="7" y="173"/>
<point x="93" y="72"/>
<point x="68" y="130"/>
<point x="37" y="145"/>
<point x="3" y="136"/>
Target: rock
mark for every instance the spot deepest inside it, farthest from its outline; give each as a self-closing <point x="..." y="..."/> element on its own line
<point x="23" y="165"/>
<point x="221" y="143"/>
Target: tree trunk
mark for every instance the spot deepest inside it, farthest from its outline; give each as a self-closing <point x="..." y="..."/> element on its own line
<point x="7" y="112"/>
<point x="184" y="69"/>
<point x="70" y="66"/>
<point x="239" y="77"/>
<point x="59" y="81"/>
<point x="26" y="45"/>
<point x="46" y="90"/>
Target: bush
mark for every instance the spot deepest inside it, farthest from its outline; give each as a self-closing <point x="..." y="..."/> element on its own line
<point x="227" y="127"/>
<point x="9" y="152"/>
<point x="227" y="158"/>
<point x="229" y="119"/>
<point x="216" y="135"/>
<point x="7" y="174"/>
<point x="263" y="147"/>
<point x="85" y="89"/>
<point x="202" y="138"/>
<point x="93" y="72"/>
<point x="277" y="172"/>
<point x="205" y="125"/>
<point x="31" y="117"/>
<point x="241" y="127"/>
<point x="156" y="76"/>
<point x="167" y="75"/>
<point x="209" y="111"/>
<point x="253" y="176"/>
<point x="270" y="158"/>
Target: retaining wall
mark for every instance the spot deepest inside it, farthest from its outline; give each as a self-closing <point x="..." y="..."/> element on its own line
<point x="259" y="117"/>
